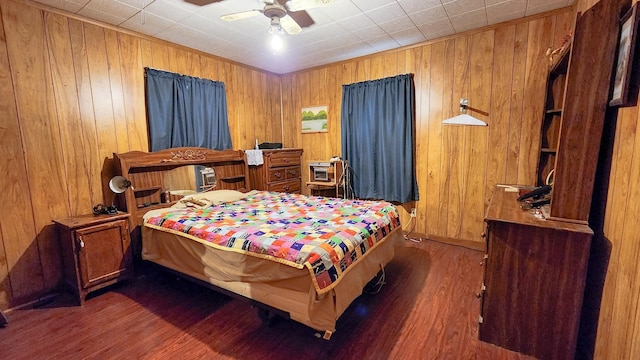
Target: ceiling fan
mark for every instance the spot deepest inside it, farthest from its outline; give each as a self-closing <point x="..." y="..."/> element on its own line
<point x="287" y="15"/>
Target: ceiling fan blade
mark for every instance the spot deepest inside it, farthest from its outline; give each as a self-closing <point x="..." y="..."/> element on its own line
<point x="299" y="5"/>
<point x="302" y="18"/>
<point x="290" y="26"/>
<point x="240" y="15"/>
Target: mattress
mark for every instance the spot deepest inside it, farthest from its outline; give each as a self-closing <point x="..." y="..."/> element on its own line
<point x="280" y="282"/>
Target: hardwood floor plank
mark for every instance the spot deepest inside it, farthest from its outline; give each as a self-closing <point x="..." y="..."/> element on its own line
<point x="426" y="310"/>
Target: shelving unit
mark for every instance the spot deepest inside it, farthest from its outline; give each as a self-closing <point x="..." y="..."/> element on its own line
<point x="554" y="101"/>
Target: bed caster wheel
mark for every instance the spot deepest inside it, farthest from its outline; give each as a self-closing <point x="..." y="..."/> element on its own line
<point x="267" y="317"/>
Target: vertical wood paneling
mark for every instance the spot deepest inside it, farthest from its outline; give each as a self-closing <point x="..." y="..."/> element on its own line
<point x="117" y="91"/>
<point x="435" y="199"/>
<point x="29" y="63"/>
<point x="18" y="258"/>
<point x="516" y="103"/>
<point x="131" y="69"/>
<point x="480" y="94"/>
<point x="88" y="136"/>
<point x="68" y="113"/>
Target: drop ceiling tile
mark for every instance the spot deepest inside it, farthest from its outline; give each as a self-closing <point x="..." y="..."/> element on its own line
<point x="115" y="9"/>
<point x="369" y="33"/>
<point x="339" y="10"/>
<point x="386" y="13"/>
<point x="147" y="23"/>
<point x="383" y="43"/>
<point x="397" y="25"/>
<point x="102" y="16"/>
<point x="168" y="10"/>
<point x="414" y="6"/>
<point x="408" y="36"/>
<point x="366" y="5"/>
<point x="437" y="29"/>
<point x="498" y="18"/>
<point x="70" y="6"/>
<point x="137" y="4"/>
<point x="470" y="20"/>
<point x="536" y="7"/>
<point x="356" y="23"/>
<point x="506" y="7"/>
<point x="429" y="16"/>
<point x="457" y="7"/>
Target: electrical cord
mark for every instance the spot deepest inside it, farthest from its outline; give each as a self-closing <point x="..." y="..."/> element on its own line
<point x="408" y="237"/>
<point x="376" y="284"/>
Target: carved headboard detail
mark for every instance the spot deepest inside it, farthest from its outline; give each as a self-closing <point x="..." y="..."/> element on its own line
<point x="149" y="173"/>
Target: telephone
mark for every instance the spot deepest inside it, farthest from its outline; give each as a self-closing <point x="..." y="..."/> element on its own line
<point x="537" y="197"/>
<point x="536" y="193"/>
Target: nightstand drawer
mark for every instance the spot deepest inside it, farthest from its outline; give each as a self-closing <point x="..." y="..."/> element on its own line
<point x="291" y="186"/>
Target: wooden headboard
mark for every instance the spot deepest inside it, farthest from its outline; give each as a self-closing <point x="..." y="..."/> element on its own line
<point x="148" y="172"/>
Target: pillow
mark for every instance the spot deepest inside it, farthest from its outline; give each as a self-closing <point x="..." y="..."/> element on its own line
<point x="210" y="197"/>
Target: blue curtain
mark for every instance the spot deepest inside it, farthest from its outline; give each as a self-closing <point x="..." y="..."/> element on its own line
<point x="186" y="111"/>
<point x="378" y="120"/>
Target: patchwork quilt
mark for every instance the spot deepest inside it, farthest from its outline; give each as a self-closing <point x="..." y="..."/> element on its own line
<point x="326" y="235"/>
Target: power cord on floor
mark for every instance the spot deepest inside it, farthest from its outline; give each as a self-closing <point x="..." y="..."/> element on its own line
<point x="413" y="225"/>
<point x="376" y="284"/>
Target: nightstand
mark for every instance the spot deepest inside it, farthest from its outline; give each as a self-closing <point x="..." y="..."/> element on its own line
<point x="96" y="251"/>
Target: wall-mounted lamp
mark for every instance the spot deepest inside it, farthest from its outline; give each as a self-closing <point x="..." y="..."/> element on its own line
<point x="464" y="118"/>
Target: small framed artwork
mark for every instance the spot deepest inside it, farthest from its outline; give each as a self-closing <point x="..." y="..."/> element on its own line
<point x="314" y="119"/>
<point x="624" y="63"/>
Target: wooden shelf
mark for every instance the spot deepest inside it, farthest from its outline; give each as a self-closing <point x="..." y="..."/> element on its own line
<point x="148" y="189"/>
<point x="553" y="112"/>
<point x="232" y="178"/>
<point x="548" y="151"/>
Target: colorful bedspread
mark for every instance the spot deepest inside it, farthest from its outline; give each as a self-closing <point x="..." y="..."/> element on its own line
<point x="326" y="235"/>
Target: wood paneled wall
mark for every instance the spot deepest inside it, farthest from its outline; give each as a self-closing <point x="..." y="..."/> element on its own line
<point x="72" y="94"/>
<point x="618" y="328"/>
<point x="501" y="70"/>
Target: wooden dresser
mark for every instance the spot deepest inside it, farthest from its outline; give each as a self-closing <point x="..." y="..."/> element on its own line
<point x="281" y="171"/>
<point x="534" y="280"/>
<point x="96" y="250"/>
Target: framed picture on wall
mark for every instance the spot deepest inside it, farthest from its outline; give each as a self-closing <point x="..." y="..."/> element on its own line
<point x="624" y="62"/>
<point x="314" y="119"/>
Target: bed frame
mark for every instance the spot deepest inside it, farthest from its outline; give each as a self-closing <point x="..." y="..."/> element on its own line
<point x="147" y="173"/>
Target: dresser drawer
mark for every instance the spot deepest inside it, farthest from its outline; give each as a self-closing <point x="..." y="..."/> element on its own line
<point x="284" y="158"/>
<point x="291" y="186"/>
<point x="282" y="173"/>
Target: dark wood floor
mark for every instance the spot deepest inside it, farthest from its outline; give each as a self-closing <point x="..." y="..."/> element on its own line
<point x="427" y="310"/>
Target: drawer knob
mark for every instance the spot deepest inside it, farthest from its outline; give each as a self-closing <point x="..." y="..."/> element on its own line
<point x="81" y="244"/>
<point x="286" y="188"/>
<point x="278" y="175"/>
<point x="287" y="160"/>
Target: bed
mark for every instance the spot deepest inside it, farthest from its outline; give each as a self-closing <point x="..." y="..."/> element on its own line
<point x="307" y="257"/>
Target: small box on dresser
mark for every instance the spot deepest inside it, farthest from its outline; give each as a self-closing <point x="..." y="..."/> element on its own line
<point x="96" y="251"/>
<point x="280" y="172"/>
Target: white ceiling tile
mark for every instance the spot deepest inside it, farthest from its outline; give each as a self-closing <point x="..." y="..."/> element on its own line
<point x="506" y="7"/>
<point x="386" y="13"/>
<point x="498" y="18"/>
<point x="356" y="23"/>
<point x="534" y="7"/>
<point x="437" y="29"/>
<point x="114" y="8"/>
<point x="369" y="33"/>
<point x="413" y="6"/>
<point x="383" y="43"/>
<point x="338" y="11"/>
<point x="101" y="16"/>
<point x="398" y="24"/>
<point x="168" y="10"/>
<point x="70" y="6"/>
<point x="147" y="23"/>
<point x="408" y="36"/>
<point x="429" y="16"/>
<point x="366" y="5"/>
<point x="457" y="7"/>
<point x="470" y="20"/>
